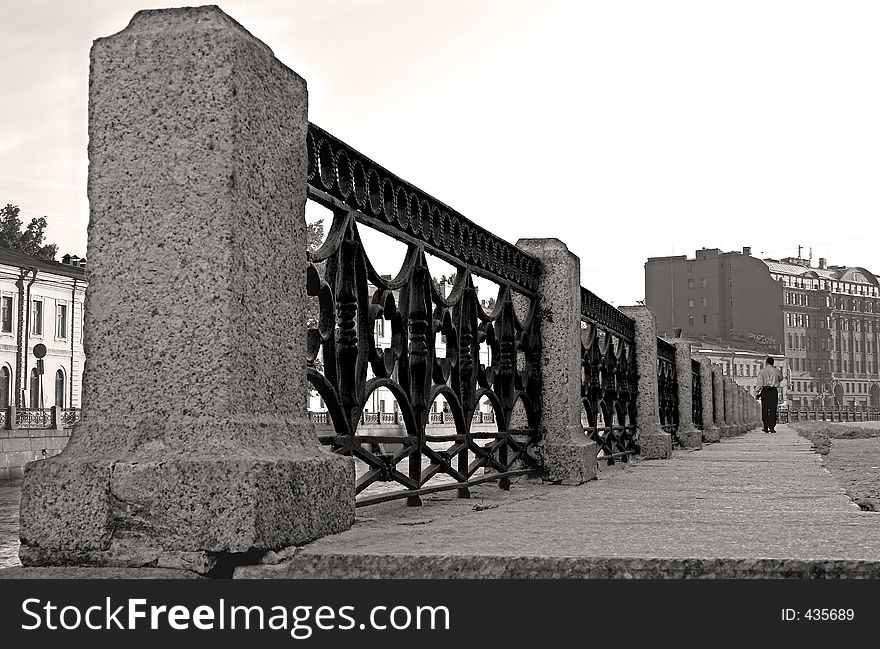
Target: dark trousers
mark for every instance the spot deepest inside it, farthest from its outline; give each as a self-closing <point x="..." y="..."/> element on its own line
<point x="769" y="402"/>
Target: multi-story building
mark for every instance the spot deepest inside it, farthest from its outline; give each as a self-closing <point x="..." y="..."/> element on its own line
<point x="41" y="303"/>
<point x="824" y="319"/>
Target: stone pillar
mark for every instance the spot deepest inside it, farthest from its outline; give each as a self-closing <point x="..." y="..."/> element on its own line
<point x="654" y="442"/>
<point x="689" y="436"/>
<point x="719" y="410"/>
<point x="710" y="430"/>
<point x="565" y="453"/>
<point x="194" y="442"/>
<point x="740" y="420"/>
<point x="728" y="407"/>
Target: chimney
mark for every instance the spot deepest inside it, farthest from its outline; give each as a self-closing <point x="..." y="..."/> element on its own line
<point x="822" y="263"/>
<point x="747" y="251"/>
<point x="676" y="332"/>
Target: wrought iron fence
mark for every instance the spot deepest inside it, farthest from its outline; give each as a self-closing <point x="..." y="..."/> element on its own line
<point x="667" y="387"/>
<point x="696" y="393"/>
<point x="836" y="413"/>
<point x="608" y="378"/>
<point x="352" y="296"/>
<point x="34" y="418"/>
<point x="69" y="416"/>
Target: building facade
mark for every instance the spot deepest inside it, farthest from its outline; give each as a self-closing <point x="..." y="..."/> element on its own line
<point x="825" y="319"/>
<point x="41" y="303"/>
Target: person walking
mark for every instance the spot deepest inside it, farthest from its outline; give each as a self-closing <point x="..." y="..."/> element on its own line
<point x="768" y="392"/>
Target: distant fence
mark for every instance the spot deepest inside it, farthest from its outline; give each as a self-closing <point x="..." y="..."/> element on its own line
<point x="13" y="418"/>
<point x="852" y="413"/>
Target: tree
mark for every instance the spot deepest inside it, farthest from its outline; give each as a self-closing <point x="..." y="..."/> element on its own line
<point x="31" y="240"/>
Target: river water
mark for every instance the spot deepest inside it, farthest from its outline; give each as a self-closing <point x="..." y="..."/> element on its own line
<point x="10" y="496"/>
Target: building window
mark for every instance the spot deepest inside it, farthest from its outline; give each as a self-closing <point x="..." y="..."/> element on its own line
<point x="690" y="283"/>
<point x="59" y="388"/>
<point x="35" y="389"/>
<point x="704" y="318"/>
<point x="380" y="327"/>
<point x="703" y="283"/>
<point x="6" y="314"/>
<point x="703" y="300"/>
<point x="61" y="321"/>
<point x="4" y="387"/>
<point x="691" y="303"/>
<point x="690" y="320"/>
<point x="37" y="317"/>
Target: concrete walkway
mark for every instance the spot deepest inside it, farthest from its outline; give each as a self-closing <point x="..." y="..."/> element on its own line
<point x="759" y="505"/>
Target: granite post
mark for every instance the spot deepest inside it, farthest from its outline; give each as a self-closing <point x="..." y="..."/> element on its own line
<point x="564" y="452"/>
<point x="654" y="442"/>
<point x="194" y="445"/>
<point x="689" y="436"/>
<point x="718" y="410"/>
<point x="728" y="429"/>
<point x="710" y="429"/>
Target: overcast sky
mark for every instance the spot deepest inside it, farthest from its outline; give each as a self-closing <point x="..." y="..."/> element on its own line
<point x="627" y="129"/>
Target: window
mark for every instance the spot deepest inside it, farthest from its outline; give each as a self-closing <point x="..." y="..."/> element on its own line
<point x="691" y="303"/>
<point x="61" y="321"/>
<point x="37" y="317"/>
<point x="690" y="283"/>
<point x="703" y="300"/>
<point x="59" y="388"/>
<point x="4" y="387"/>
<point x="690" y="320"/>
<point x="35" y="389"/>
<point x="703" y="283"/>
<point x="6" y="314"/>
<point x="380" y="327"/>
<point x="704" y="318"/>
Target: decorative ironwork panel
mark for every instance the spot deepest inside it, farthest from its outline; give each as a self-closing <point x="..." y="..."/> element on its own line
<point x="69" y="416"/>
<point x="697" y="393"/>
<point x="597" y="311"/>
<point x="667" y="387"/>
<point x="352" y="296"/>
<point x="388" y="203"/>
<point x="608" y="378"/>
<point x="36" y="418"/>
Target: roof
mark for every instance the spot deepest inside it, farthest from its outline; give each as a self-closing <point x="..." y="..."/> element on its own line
<point x="845" y="273"/>
<point x="22" y="260"/>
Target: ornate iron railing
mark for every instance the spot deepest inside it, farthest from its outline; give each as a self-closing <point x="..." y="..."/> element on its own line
<point x="696" y="393"/>
<point x="34" y="418"/>
<point x="352" y="296"/>
<point x="667" y="387"/>
<point x="608" y="378"/>
<point x="69" y="416"/>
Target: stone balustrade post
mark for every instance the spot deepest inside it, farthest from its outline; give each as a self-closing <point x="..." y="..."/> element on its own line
<point x="729" y="407"/>
<point x="718" y="396"/>
<point x="654" y="442"/>
<point x="194" y="444"/>
<point x="564" y="452"/>
<point x="57" y="420"/>
<point x="710" y="429"/>
<point x="689" y="436"/>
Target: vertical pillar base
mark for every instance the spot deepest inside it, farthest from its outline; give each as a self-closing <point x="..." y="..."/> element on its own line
<point x="186" y="511"/>
<point x="567" y="463"/>
<point x="655" y="445"/>
<point x="711" y="434"/>
<point x="690" y="437"/>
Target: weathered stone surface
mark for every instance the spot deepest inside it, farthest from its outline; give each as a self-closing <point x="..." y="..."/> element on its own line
<point x="729" y="394"/>
<point x="91" y="572"/>
<point x="653" y="441"/>
<point x="194" y="435"/>
<point x="710" y="430"/>
<point x="753" y="506"/>
<point x="688" y="434"/>
<point x="564" y="452"/>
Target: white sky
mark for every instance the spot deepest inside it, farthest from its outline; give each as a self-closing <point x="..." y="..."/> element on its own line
<point x="627" y="129"/>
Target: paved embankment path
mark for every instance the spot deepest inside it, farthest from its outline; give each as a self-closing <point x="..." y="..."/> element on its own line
<point x="758" y="505"/>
